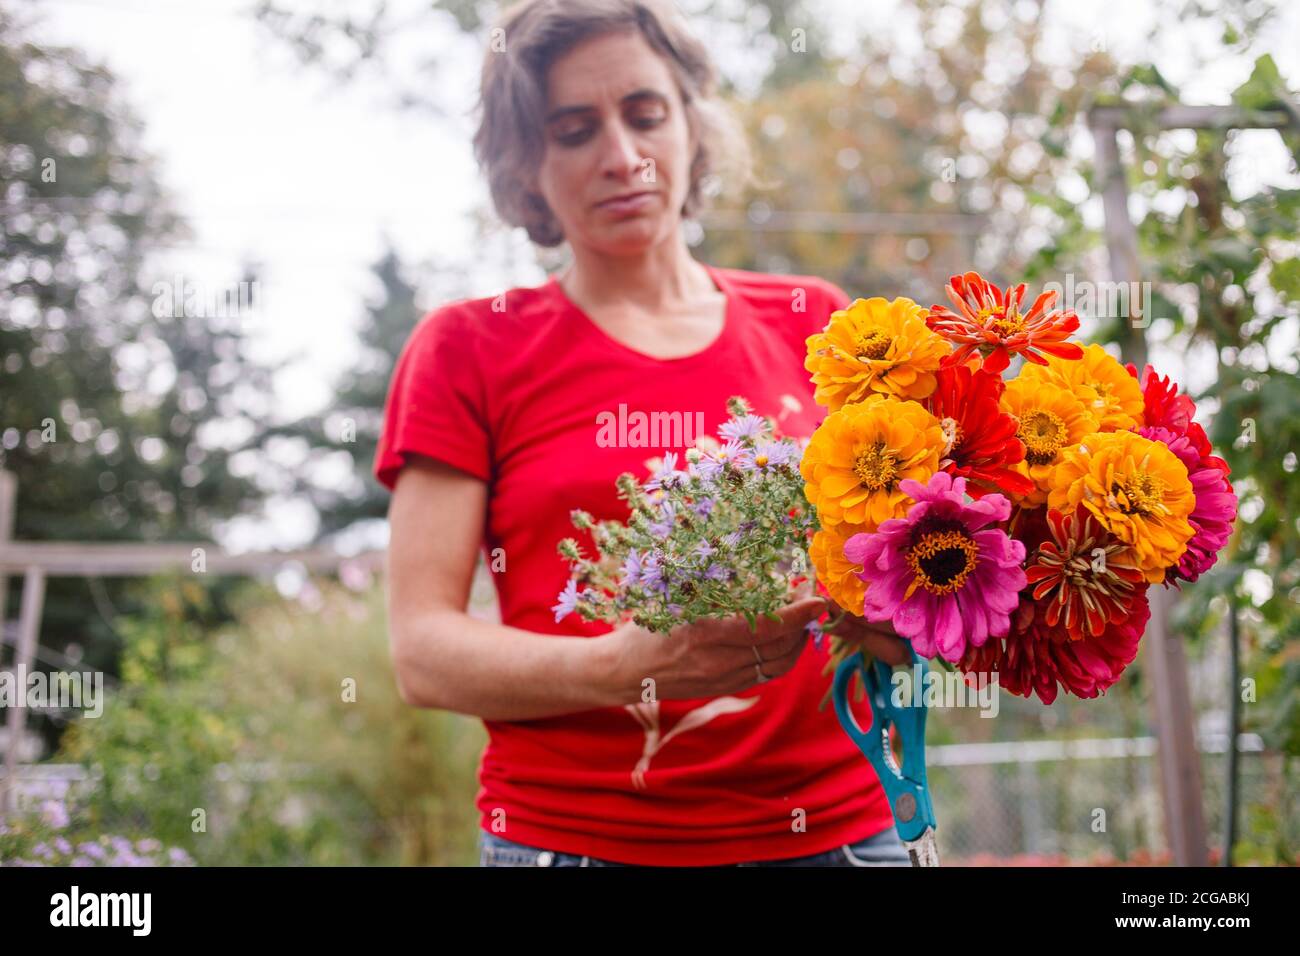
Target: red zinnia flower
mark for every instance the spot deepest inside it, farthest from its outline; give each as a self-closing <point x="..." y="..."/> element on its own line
<point x="1084" y="577"/>
<point x="989" y="321"/>
<point x="1163" y="406"/>
<point x="1035" y="657"/>
<point x="981" y="437"/>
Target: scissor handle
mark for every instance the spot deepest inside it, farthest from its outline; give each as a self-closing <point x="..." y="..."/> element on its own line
<point x="909" y="796"/>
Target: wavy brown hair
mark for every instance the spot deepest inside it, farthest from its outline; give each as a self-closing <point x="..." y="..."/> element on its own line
<point x="523" y="44"/>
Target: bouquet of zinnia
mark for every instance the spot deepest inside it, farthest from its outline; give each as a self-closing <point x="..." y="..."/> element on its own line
<point x="1008" y="526"/>
<point x="1000" y="525"/>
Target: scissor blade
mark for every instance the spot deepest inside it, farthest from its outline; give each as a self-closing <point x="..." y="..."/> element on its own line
<point x="923" y="850"/>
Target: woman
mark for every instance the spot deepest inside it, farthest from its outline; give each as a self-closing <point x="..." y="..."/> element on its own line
<point x="598" y="127"/>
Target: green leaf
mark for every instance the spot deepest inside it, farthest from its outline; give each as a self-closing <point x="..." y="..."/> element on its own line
<point x="1265" y="88"/>
<point x="1285" y="278"/>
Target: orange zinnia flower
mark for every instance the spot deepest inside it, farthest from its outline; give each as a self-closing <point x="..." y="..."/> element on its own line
<point x="836" y="572"/>
<point x="989" y="321"/>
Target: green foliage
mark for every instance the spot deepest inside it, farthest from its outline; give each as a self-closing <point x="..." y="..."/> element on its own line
<point x="253" y="726"/>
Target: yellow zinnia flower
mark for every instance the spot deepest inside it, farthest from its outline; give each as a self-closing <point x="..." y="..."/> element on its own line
<point x="858" y="455"/>
<point x="835" y="571"/>
<point x="1103" y="385"/>
<point x="1051" y="420"/>
<point x="1137" y="488"/>
<point x="874" y="346"/>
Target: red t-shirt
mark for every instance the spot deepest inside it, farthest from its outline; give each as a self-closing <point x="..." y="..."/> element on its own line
<point x="508" y="389"/>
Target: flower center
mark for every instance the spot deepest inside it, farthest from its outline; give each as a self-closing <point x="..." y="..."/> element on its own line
<point x="876" y="468"/>
<point x="1005" y="323"/>
<point x="951" y="435"/>
<point x="1043" y="433"/>
<point x="942" y="560"/>
<point x="1140" y="494"/>
<point x="873" y="345"/>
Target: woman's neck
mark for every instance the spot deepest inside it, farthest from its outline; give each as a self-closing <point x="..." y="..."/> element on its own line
<point x="664" y="278"/>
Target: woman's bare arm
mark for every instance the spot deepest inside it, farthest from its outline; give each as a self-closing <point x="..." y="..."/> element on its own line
<point x="444" y="657"/>
<point x="447" y="659"/>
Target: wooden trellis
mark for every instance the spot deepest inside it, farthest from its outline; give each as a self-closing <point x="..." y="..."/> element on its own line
<point x="1180" y="769"/>
<point x="36" y="561"/>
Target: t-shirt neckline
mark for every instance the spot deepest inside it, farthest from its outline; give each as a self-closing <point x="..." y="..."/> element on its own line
<point x="718" y="343"/>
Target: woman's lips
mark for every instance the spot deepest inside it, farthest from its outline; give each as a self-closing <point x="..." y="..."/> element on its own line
<point x="627" y="204"/>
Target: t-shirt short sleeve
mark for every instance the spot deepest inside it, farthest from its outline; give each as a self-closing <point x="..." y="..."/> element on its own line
<point x="436" y="401"/>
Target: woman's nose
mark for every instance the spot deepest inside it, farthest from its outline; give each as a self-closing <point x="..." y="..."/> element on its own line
<point x="621" y="156"/>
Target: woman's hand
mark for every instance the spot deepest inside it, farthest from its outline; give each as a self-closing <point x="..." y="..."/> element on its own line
<point x="710" y="657"/>
<point x="876" y="637"/>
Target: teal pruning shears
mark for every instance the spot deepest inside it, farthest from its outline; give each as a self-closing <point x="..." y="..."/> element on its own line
<point x="906" y="787"/>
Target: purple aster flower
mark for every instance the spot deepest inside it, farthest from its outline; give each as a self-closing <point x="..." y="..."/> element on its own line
<point x="703" y="507"/>
<point x="652" y="573"/>
<point x="568" y="601"/>
<point x="942" y="575"/>
<point x="666" y="475"/>
<point x="737" y="455"/>
<point x="814" y="628"/>
<point x="709" y="467"/>
<point x="704" y="549"/>
<point x="54" y="813"/>
<point x="663" y="527"/>
<point x="731" y="538"/>
<point x="744" y="426"/>
<point x="632" y="569"/>
<point x="717" y="572"/>
<point x="778" y="454"/>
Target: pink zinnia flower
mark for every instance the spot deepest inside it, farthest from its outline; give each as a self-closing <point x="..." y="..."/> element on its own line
<point x="942" y="575"/>
<point x="1215" y="510"/>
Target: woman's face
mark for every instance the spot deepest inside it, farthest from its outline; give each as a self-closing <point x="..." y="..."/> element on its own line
<point x="615" y="129"/>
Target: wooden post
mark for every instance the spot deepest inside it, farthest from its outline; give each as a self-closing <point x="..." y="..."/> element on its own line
<point x="1166" y="665"/>
<point x="8" y="509"/>
<point x="29" y="623"/>
<point x="1121" y="237"/>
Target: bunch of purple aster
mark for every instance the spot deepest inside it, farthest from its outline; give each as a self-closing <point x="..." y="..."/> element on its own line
<point x="728" y="534"/>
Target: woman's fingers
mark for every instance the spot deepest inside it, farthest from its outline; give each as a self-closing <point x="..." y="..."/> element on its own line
<point x="793" y="617"/>
<point x="877" y="637"/>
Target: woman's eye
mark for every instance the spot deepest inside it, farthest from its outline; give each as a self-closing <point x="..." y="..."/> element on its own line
<point x="647" y="119"/>
<point x="572" y="136"/>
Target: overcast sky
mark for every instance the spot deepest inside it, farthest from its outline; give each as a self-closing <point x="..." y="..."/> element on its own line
<point x="275" y="162"/>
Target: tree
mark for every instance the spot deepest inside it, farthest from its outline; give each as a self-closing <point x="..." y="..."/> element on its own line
<point x="122" y="405"/>
<point x="349" y="428"/>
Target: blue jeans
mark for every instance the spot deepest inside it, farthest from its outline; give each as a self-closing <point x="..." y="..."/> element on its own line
<point x="883" y="849"/>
